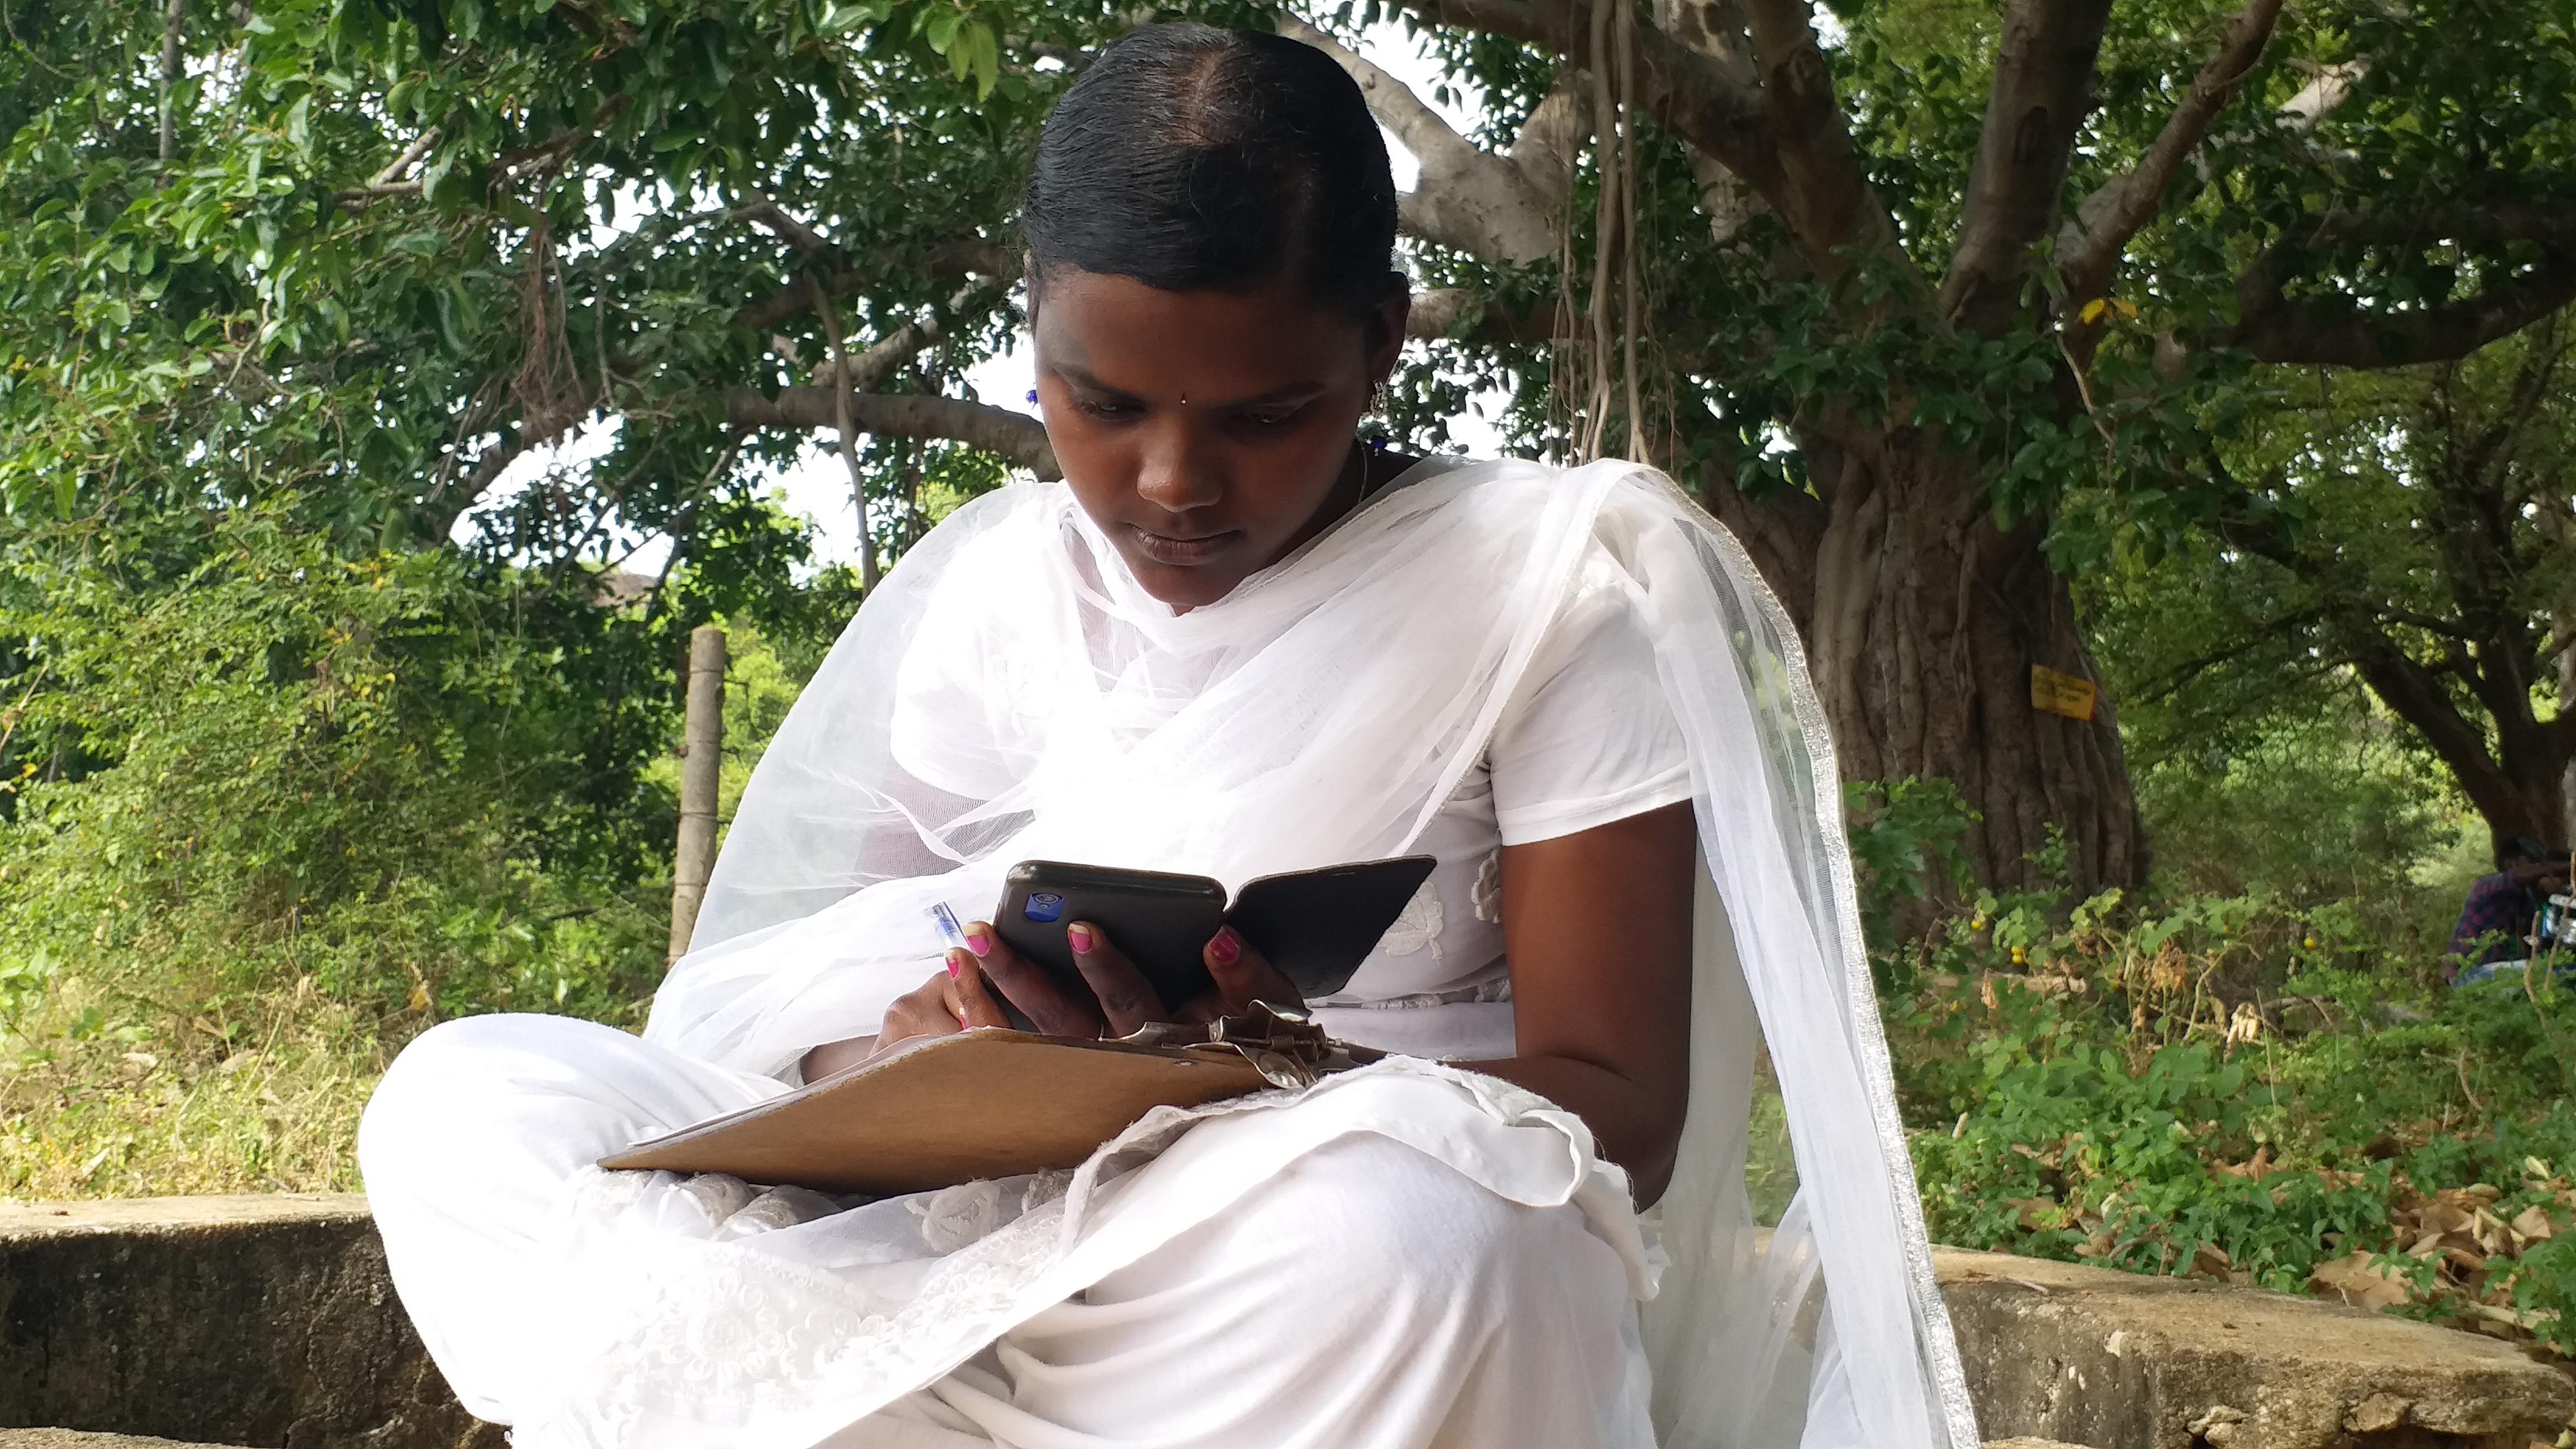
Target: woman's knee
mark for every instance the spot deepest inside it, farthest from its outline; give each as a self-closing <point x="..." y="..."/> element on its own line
<point x="1378" y="1220"/>
<point x="468" y="1097"/>
<point x="1387" y="1261"/>
<point x="441" y="1075"/>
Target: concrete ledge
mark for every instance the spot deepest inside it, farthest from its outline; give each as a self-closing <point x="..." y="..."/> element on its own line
<point x="269" y="1322"/>
<point x="259" y="1321"/>
<point x="78" y="1439"/>
<point x="75" y="1439"/>
<point x="177" y="1216"/>
<point x="2119" y="1361"/>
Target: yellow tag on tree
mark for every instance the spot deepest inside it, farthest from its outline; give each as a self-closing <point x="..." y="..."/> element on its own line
<point x="2055" y="693"/>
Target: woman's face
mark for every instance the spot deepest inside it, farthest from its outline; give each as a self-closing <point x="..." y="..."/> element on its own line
<point x="1206" y="433"/>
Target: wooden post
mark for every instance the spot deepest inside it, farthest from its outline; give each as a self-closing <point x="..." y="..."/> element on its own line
<point x="701" y="777"/>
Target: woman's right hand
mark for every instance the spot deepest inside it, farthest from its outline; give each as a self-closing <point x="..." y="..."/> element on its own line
<point x="948" y="1003"/>
<point x="994" y="972"/>
<point x="969" y="993"/>
<point x="1120" y="999"/>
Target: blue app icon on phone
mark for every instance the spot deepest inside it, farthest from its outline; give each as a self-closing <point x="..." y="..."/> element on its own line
<point x="1043" y="906"/>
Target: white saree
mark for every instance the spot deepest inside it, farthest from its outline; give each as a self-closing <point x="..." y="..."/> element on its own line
<point x="1409" y="1254"/>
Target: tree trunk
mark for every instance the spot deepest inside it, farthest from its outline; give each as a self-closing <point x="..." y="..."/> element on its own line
<point x="1923" y="622"/>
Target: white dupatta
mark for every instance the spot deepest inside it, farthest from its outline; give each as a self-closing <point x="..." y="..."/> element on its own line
<point x="1009" y="693"/>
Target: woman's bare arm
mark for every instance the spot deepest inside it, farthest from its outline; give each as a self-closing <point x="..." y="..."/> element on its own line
<point x="1598" y="928"/>
<point x="832" y="1056"/>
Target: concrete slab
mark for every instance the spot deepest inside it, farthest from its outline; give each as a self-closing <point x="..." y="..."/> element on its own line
<point x="2119" y="1361"/>
<point x="264" y="1321"/>
<point x="269" y="1321"/>
<point x="78" y="1439"/>
<point x="157" y="1216"/>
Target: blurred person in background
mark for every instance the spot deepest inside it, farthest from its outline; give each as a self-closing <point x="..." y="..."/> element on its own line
<point x="2494" y="934"/>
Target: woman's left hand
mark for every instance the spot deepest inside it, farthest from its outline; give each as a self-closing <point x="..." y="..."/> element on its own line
<point x="1128" y="1001"/>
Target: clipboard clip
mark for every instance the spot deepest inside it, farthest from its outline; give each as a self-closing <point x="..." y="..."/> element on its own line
<point x="1284" y="1045"/>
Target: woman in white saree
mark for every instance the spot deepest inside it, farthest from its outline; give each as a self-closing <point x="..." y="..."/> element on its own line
<point x="1232" y="643"/>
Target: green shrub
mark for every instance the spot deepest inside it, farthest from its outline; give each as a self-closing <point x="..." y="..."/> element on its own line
<point x="270" y="805"/>
<point x="2231" y="1087"/>
<point x="265" y="797"/>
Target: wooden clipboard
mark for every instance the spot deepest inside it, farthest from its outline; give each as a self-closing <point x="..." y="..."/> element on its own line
<point x="937" y="1111"/>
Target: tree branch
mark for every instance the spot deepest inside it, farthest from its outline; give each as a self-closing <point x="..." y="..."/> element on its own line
<point x="508" y="167"/>
<point x="1016" y="436"/>
<point x="1717" y="29"/>
<point x="2339" y="331"/>
<point x="1477" y="202"/>
<point x="1548" y="141"/>
<point x="532" y="432"/>
<point x="1815" y="181"/>
<point x="2543" y="222"/>
<point x="411" y="154"/>
<point x="2416" y="695"/>
<point x="845" y="432"/>
<point x="2043" y="88"/>
<point x="1687" y="93"/>
<point x="2328" y="87"/>
<point x="2089" y="247"/>
<point x="550" y="153"/>
<point x="961" y="256"/>
<point x="362" y="195"/>
<point x="1467" y="314"/>
<point x="1787" y="138"/>
<point x="787" y="228"/>
<point x="2269" y="634"/>
<point x="386" y="183"/>
<point x="171" y="15"/>
<point x="878" y="361"/>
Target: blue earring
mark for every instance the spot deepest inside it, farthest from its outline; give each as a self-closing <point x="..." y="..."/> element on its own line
<point x="1033" y="394"/>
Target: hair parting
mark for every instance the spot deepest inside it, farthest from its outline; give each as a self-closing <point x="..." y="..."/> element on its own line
<point x="1189" y="158"/>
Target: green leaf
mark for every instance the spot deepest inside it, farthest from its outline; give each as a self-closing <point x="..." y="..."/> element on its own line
<point x="938" y="24"/>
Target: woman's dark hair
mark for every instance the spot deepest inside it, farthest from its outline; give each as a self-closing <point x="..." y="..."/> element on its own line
<point x="1193" y="158"/>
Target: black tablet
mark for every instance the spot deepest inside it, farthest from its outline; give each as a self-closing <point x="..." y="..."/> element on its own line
<point x="1316" y="926"/>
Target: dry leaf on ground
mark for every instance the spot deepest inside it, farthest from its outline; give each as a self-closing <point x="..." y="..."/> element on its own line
<point x="2356" y="1280"/>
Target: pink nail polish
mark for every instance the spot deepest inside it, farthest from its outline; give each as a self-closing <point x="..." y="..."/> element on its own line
<point x="1226" y="947"/>
<point x="979" y="943"/>
<point x="1080" y="938"/>
<point x="951" y="961"/>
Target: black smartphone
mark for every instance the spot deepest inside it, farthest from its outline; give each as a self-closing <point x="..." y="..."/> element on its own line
<point x="1161" y="921"/>
<point x="1317" y="926"/>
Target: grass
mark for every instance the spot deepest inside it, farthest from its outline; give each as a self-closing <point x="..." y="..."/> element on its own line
<point x="273" y="1110"/>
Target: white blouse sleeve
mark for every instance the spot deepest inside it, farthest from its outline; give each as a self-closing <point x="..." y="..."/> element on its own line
<point x="1588" y="737"/>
